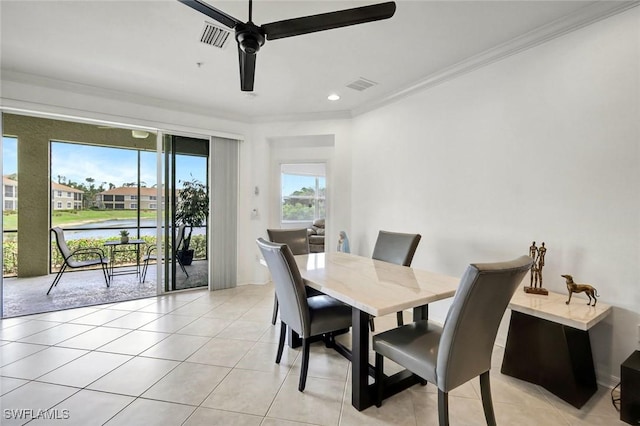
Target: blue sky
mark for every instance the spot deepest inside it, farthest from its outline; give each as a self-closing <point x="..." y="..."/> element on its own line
<point x="77" y="162"/>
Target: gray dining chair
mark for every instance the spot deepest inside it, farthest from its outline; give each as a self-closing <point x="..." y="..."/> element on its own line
<point x="298" y="242"/>
<point x="398" y="248"/>
<point x="79" y="258"/>
<point x="309" y="316"/>
<point x="455" y="353"/>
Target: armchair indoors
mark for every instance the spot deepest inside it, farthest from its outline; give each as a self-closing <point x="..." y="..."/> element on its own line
<point x="309" y="316"/>
<point x="451" y="355"/>
<point x="316" y="236"/>
<point x="70" y="258"/>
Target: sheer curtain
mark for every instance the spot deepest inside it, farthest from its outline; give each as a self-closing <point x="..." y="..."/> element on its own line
<point x="224" y="213"/>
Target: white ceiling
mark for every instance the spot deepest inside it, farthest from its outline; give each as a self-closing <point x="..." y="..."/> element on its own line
<point x="148" y="50"/>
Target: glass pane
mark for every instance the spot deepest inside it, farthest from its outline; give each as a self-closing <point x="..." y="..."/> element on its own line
<point x="303" y="195"/>
<point x="10" y="206"/>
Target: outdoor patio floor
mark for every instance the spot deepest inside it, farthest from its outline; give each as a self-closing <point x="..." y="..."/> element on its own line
<point x="25" y="296"/>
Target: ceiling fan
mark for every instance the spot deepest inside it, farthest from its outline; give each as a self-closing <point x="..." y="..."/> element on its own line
<point x="251" y="37"/>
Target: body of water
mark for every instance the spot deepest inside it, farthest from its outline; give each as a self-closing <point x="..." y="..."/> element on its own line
<point x="112" y="228"/>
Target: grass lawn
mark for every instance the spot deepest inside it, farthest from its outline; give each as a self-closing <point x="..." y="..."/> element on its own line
<point x="66" y="217"/>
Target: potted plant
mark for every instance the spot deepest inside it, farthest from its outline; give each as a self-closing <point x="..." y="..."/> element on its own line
<point x="192" y="211"/>
<point x="124" y="236"/>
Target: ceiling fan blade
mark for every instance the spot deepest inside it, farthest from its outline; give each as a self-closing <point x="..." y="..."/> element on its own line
<point x="212" y="12"/>
<point x="328" y="21"/>
<point x="247" y="70"/>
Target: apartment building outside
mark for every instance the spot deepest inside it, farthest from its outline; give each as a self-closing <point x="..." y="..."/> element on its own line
<point x="127" y="198"/>
<point x="10" y="190"/>
<point x="64" y="197"/>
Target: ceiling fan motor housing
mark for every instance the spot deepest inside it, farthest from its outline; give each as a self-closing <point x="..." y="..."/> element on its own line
<point x="250" y="37"/>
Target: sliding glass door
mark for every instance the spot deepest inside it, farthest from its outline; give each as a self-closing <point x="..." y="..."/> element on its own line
<point x="186" y="219"/>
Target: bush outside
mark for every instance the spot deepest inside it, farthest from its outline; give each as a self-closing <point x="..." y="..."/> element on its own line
<point x="10" y="252"/>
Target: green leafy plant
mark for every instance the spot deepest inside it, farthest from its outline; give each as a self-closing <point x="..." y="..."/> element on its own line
<point x="192" y="209"/>
<point x="124" y="233"/>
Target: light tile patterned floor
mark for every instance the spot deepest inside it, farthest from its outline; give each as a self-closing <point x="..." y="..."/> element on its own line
<point x="202" y="358"/>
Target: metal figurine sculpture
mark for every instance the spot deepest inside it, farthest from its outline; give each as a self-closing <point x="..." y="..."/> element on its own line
<point x="537" y="254"/>
<point x="589" y="290"/>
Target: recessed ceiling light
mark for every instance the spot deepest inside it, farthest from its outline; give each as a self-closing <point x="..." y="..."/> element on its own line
<point x="333" y="97"/>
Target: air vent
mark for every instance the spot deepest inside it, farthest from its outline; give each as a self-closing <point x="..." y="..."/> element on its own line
<point x="214" y="35"/>
<point x="361" y="84"/>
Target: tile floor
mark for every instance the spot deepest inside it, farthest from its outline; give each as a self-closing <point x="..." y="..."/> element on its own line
<point x="203" y="358"/>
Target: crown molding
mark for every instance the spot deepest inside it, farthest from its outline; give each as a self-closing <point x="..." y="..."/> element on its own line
<point x="583" y="17"/>
<point x="116" y="95"/>
<point x="305" y="116"/>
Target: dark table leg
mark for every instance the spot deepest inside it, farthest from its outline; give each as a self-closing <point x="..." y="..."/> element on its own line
<point x="361" y="394"/>
<point x="421" y="313"/>
<point x="551" y="355"/>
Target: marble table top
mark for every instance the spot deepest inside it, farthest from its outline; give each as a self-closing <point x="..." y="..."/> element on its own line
<point x="553" y="307"/>
<point x="373" y="286"/>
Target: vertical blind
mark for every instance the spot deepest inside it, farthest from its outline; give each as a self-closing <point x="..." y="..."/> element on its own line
<point x="224" y="213"/>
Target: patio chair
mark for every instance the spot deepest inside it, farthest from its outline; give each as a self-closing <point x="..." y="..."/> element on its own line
<point x="151" y="255"/>
<point x="96" y="254"/>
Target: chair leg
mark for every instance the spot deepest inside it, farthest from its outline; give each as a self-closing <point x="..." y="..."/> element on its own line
<point x="379" y="378"/>
<point x="57" y="278"/>
<point x="283" y="333"/>
<point x="487" y="404"/>
<point x="105" y="272"/>
<point x="443" y="408"/>
<point x="275" y="310"/>
<point x="305" y="364"/>
<point x="400" y="318"/>
<point x="182" y="266"/>
<point x="143" y="274"/>
<point x="372" y="326"/>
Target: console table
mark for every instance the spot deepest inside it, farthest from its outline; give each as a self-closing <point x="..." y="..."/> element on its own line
<point x="548" y="344"/>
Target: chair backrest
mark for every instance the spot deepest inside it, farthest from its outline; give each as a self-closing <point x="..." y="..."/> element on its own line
<point x="473" y="319"/>
<point x="292" y="296"/>
<point x="396" y="247"/>
<point x="180" y="236"/>
<point x="61" y="242"/>
<point x="296" y="239"/>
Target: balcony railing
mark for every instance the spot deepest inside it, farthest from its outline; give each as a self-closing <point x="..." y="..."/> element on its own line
<point x="11" y="258"/>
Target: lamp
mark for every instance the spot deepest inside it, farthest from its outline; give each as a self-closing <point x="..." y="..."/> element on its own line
<point x="139" y="134"/>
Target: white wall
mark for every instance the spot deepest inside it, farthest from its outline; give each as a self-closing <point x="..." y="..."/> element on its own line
<point x="261" y="153"/>
<point x="540" y="146"/>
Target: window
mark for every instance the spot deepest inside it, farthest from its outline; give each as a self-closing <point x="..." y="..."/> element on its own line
<point x="153" y="206"/>
<point x="133" y="206"/>
<point x="8" y="205"/>
<point x="119" y="198"/>
<point x="69" y="194"/>
<point x="107" y="198"/>
<point x="59" y="204"/>
<point x="133" y="197"/>
<point x="59" y="193"/>
<point x="118" y="206"/>
<point x="8" y="191"/>
<point x="68" y="204"/>
<point x="303" y="188"/>
<point x="152" y="197"/>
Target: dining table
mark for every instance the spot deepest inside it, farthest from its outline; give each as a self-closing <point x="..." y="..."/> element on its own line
<point x="374" y="288"/>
